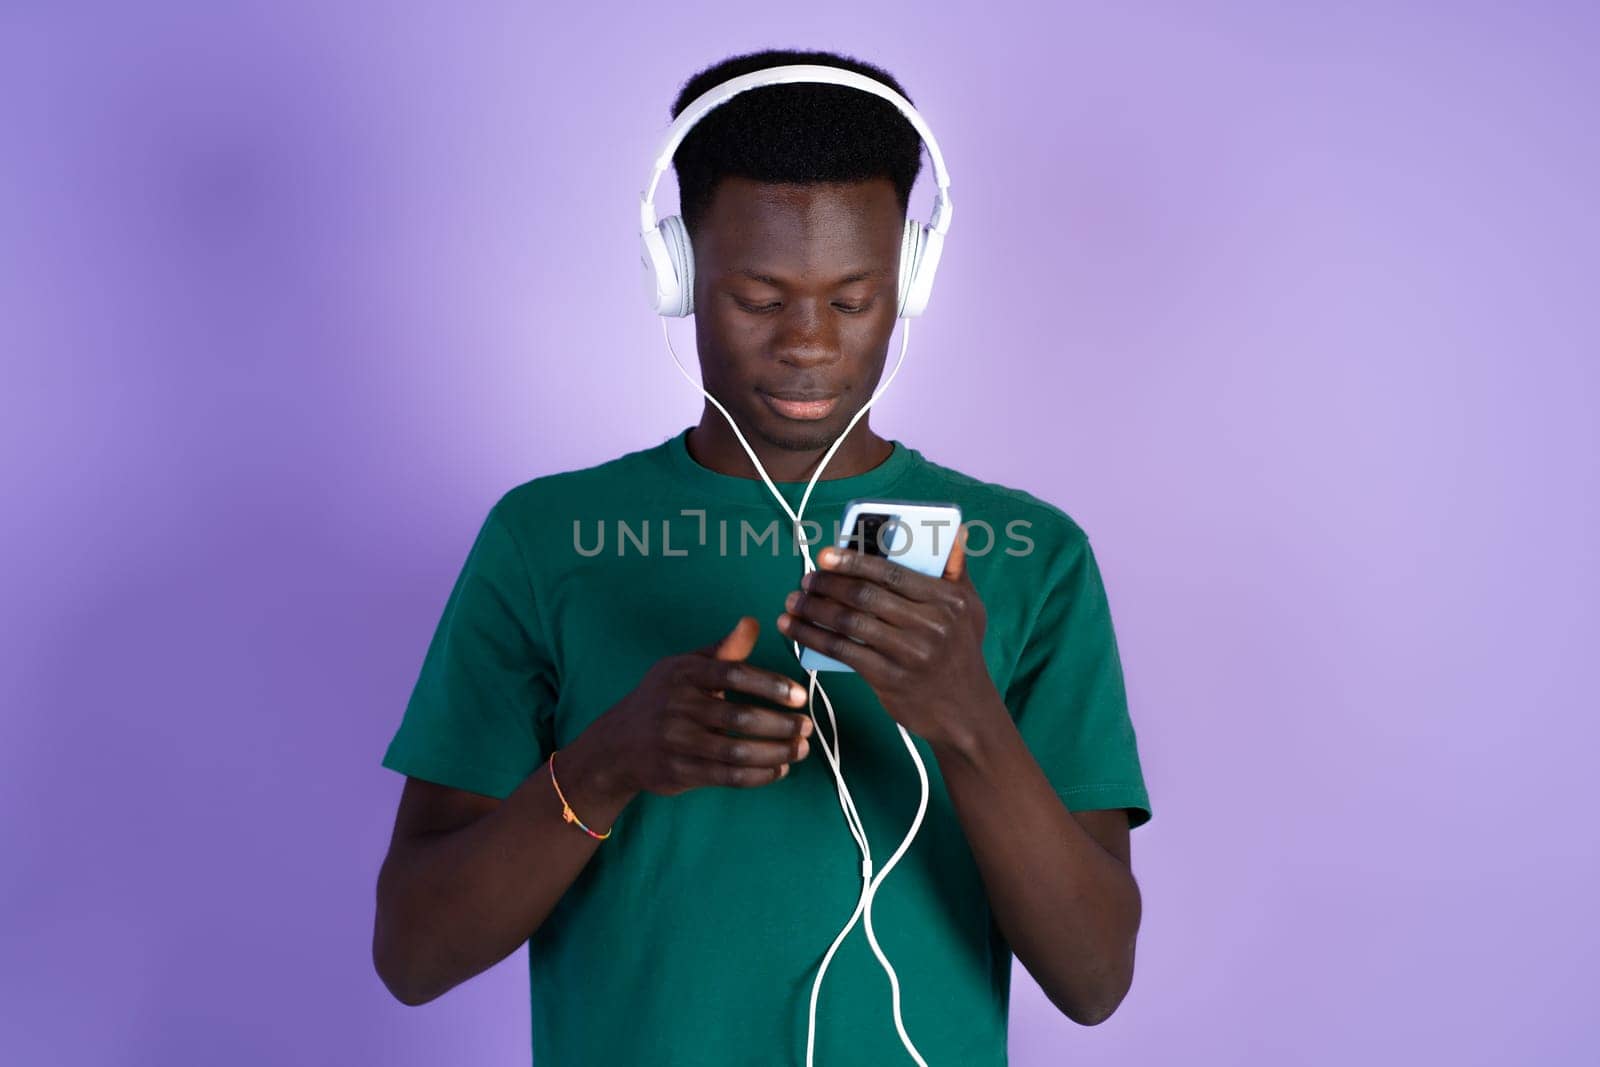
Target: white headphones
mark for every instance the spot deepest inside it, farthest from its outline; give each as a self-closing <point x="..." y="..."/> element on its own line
<point x="669" y="260"/>
<point x="669" y="268"/>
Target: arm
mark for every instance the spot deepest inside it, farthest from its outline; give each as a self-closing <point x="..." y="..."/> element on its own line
<point x="469" y="878"/>
<point x="1060" y="885"/>
<point x="1059" y="882"/>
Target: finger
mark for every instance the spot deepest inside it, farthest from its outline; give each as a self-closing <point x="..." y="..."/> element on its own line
<point x="865" y="596"/>
<point x="737" y="644"/>
<point x="747" y="719"/>
<point x="955" y="568"/>
<point x="718" y="676"/>
<point x="694" y="772"/>
<point x="893" y="641"/>
<point x="893" y="576"/>
<point x="866" y="661"/>
<point x="739" y="641"/>
<point x="688" y="738"/>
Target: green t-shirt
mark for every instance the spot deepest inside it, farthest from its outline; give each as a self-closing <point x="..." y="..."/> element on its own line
<point x="693" y="935"/>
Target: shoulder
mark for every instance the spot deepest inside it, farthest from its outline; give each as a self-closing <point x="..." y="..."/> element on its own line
<point x="1011" y="513"/>
<point x="533" y="507"/>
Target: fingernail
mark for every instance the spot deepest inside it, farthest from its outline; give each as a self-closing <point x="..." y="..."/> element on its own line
<point x="789" y="602"/>
<point x="825" y="556"/>
<point x="804" y="748"/>
<point x="796" y="693"/>
<point x="805" y="727"/>
<point x="783" y="772"/>
<point x="805" y="583"/>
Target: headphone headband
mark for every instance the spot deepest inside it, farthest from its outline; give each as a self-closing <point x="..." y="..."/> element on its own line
<point x="668" y="261"/>
<point x="784" y="75"/>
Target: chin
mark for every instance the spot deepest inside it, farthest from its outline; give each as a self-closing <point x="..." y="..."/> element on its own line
<point x="796" y="436"/>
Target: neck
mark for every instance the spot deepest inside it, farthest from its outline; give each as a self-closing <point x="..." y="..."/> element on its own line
<point x="712" y="444"/>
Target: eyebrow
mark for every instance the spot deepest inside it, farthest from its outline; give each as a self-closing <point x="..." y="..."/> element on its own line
<point x="767" y="279"/>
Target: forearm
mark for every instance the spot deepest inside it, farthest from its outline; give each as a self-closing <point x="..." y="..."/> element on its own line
<point x="1069" y="908"/>
<point x="453" y="904"/>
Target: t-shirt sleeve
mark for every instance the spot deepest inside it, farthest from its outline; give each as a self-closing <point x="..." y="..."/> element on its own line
<point x="1068" y="697"/>
<point x="479" y="717"/>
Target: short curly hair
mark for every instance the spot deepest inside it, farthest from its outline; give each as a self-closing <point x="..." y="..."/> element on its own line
<point x="801" y="133"/>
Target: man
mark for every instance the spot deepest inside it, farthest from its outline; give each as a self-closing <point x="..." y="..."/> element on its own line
<point x="680" y="866"/>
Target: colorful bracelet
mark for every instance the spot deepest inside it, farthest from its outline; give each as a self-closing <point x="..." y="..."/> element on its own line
<point x="566" y="809"/>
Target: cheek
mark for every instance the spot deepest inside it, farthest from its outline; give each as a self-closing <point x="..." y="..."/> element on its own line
<point x="867" y="336"/>
<point x="730" y="345"/>
<point x="744" y="348"/>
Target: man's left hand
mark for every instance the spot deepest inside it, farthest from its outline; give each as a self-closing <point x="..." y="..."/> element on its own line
<point x="920" y="638"/>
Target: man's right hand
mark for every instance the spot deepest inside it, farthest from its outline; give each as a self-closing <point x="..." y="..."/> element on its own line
<point x="672" y="733"/>
<point x="470" y="877"/>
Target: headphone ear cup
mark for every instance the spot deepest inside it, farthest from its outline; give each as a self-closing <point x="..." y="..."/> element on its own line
<point x="923" y="251"/>
<point x="676" y="237"/>
<point x="668" y="267"/>
<point x="911" y="241"/>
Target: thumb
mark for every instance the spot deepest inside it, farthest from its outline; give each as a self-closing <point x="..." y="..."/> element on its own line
<point x="740" y="640"/>
<point x="955" y="568"/>
<point x="737" y="645"/>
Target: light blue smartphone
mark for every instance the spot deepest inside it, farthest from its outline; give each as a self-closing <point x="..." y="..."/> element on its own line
<point x="910" y="533"/>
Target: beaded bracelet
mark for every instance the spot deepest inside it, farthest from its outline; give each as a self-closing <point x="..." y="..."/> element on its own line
<point x="566" y="809"/>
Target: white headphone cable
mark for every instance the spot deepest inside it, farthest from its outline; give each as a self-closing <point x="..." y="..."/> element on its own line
<point x="835" y="752"/>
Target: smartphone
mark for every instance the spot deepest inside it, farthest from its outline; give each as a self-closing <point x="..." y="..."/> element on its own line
<point x="910" y="533"/>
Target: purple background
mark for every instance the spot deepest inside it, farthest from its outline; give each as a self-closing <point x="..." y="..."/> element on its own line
<point x="1292" y="308"/>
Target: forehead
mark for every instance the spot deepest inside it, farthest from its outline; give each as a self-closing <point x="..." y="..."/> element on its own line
<point x="800" y="227"/>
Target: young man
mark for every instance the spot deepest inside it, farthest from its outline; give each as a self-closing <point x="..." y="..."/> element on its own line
<point x="681" y="865"/>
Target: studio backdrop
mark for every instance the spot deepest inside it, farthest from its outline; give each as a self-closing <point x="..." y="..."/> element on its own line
<point x="1290" y="306"/>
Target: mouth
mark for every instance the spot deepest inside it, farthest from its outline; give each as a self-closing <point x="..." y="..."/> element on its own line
<point x="801" y="405"/>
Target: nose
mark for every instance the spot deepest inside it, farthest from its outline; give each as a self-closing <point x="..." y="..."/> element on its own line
<point x="806" y="335"/>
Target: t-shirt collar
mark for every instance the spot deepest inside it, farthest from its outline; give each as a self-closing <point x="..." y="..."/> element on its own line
<point x="703" y="480"/>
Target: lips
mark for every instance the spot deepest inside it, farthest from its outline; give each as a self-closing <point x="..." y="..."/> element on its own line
<point x="797" y="404"/>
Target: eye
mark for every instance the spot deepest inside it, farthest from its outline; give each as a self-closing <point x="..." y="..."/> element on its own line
<point x="853" y="309"/>
<point x="758" y="309"/>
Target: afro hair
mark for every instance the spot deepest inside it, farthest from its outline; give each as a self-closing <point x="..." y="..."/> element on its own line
<point x="799" y="133"/>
